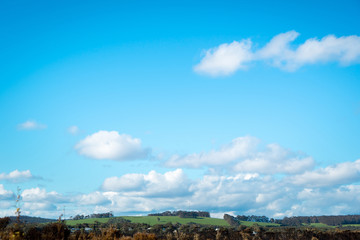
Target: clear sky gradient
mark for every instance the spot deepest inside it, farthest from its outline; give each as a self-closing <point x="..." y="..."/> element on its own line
<point x="246" y="107"/>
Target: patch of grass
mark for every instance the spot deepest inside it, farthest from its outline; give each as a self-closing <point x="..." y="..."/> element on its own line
<point x="153" y="220"/>
<point x="319" y="225"/>
<point x="351" y="225"/>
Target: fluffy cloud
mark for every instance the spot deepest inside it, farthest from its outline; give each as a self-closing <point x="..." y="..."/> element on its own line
<point x="111" y="145"/>
<point x="95" y="198"/>
<point x="228" y="58"/>
<point x="345" y="50"/>
<point x="243" y="155"/>
<point x="275" y="159"/>
<point x="342" y="173"/>
<point x="17" y="176"/>
<point x="41" y="195"/>
<point x="153" y="184"/>
<point x="225" y="59"/>
<point x="31" y="125"/>
<point x="127" y="182"/>
<point x="238" y="148"/>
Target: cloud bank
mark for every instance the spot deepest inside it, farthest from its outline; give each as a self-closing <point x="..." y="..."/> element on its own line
<point x="228" y="58"/>
<point x="242" y="177"/>
<point x="240" y="193"/>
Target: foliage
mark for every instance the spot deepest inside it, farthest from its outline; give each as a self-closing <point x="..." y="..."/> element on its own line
<point x="126" y="230"/>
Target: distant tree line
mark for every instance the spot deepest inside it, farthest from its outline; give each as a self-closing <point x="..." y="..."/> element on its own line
<point x="329" y="220"/>
<point x="296" y="221"/>
<point x="183" y="214"/>
<point x="94" y="215"/>
<point x="236" y="221"/>
<point x="254" y="218"/>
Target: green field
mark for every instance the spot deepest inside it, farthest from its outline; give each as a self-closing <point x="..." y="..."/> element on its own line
<point x="153" y="220"/>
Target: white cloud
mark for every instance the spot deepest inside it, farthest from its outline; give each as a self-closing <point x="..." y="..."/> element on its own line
<point x="278" y="49"/>
<point x="243" y="155"/>
<point x="238" y="148"/>
<point x="153" y="184"/>
<point x="275" y="159"/>
<point x="73" y="130"/>
<point x="111" y="145"/>
<point x="17" y="176"/>
<point x="225" y="59"/>
<point x="342" y="173"/>
<point x="127" y="182"/>
<point x="31" y="125"/>
<point x="95" y="198"/>
<point x="345" y="50"/>
<point x="228" y="58"/>
<point x="41" y="195"/>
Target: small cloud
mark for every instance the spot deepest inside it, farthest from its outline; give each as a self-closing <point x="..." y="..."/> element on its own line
<point x="74" y="130"/>
<point x="225" y="59"/>
<point x="31" y="125"/>
<point x="17" y="176"/>
<point x="112" y="145"/>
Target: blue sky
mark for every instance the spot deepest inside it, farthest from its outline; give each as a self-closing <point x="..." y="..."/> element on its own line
<point x="138" y="106"/>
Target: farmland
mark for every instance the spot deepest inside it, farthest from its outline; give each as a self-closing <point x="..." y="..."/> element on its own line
<point x="153" y="220"/>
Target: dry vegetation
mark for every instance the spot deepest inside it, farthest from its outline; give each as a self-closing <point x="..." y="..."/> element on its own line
<point x="135" y="231"/>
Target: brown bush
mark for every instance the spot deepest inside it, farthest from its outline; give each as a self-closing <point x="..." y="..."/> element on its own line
<point x="144" y="236"/>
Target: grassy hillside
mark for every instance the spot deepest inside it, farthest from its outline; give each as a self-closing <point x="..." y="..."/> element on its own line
<point x="153" y="220"/>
